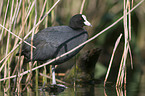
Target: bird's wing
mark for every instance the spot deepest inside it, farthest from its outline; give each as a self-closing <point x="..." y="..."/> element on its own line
<point x="44" y="51"/>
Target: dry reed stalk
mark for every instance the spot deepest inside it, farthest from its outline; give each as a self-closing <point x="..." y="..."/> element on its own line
<point x="4" y="20"/>
<point x="36" y="80"/>
<point x="120" y="68"/>
<point x="17" y="44"/>
<point x="10" y="27"/>
<point x="121" y="71"/>
<point x="48" y="4"/>
<point x="123" y="61"/>
<point x="82" y="7"/>
<point x="9" y="59"/>
<point x="7" y="69"/>
<point x="29" y="90"/>
<point x="42" y="18"/>
<point x="29" y="7"/>
<point x="12" y="7"/>
<point x="2" y="66"/>
<point x="29" y="26"/>
<point x="49" y="77"/>
<point x="45" y="73"/>
<point x="18" y="89"/>
<point x="20" y="32"/>
<point x="14" y="16"/>
<point x="15" y="35"/>
<point x="6" y="63"/>
<point x="1" y="6"/>
<point x="125" y="78"/>
<point x="77" y="46"/>
<point x="19" y="78"/>
<point x="132" y="3"/>
<point x="21" y="63"/>
<point x="29" y="65"/>
<point x="119" y="92"/>
<point x="18" y="10"/>
<point x="129" y="20"/>
<point x="20" y="60"/>
<point x="112" y="57"/>
<point x="29" y="75"/>
<point x="42" y="11"/>
<point x="127" y="32"/>
<point x="75" y="72"/>
<point x="129" y="17"/>
<point x="46" y="18"/>
<point x="32" y="37"/>
<point x="52" y="15"/>
<point x="26" y="86"/>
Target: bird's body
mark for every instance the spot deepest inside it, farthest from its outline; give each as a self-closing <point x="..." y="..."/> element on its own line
<point x="54" y="41"/>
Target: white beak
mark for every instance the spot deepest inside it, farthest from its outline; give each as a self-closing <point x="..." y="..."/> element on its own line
<point x="86" y="22"/>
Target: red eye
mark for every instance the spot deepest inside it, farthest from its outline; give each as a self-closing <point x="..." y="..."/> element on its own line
<point x="80" y="18"/>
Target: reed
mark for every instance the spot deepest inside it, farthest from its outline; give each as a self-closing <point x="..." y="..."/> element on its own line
<point x="18" y="23"/>
<point x="112" y="57"/>
<point x="121" y="79"/>
<point x="127" y="38"/>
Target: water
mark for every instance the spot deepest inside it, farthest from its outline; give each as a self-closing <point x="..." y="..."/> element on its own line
<point x="132" y="89"/>
<point x="135" y="87"/>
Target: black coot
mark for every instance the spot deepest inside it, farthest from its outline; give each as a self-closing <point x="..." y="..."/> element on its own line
<point x="54" y="41"/>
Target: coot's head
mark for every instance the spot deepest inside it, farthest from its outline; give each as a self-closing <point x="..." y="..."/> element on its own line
<point x="78" y="21"/>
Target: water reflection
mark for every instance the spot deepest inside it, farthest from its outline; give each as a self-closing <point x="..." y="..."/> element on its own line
<point x="120" y="91"/>
<point x="93" y="90"/>
<point x="132" y="89"/>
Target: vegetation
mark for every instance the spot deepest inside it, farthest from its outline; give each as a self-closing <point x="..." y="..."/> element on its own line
<point x="20" y="19"/>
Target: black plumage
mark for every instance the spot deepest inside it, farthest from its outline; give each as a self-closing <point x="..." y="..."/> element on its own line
<point x="54" y="41"/>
